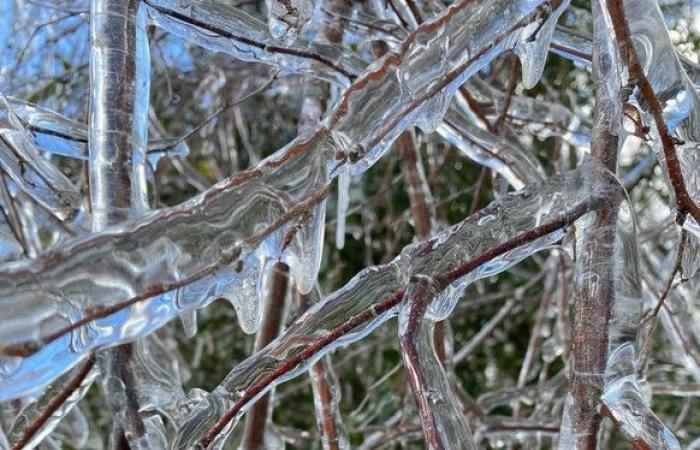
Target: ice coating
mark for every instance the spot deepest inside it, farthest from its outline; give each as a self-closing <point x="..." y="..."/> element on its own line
<point x="622" y="395"/>
<point x="43" y="404"/>
<point x="459" y="52"/>
<point x="140" y="259"/>
<point x="118" y="125"/>
<point x="372" y="296"/>
<point x="444" y="424"/>
<point x="44" y="183"/>
<point x="533" y="52"/>
<point x="287" y="18"/>
<point x="52" y="132"/>
<point x="57" y="134"/>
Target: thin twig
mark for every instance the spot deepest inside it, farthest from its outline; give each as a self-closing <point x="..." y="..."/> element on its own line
<point x="55" y="403"/>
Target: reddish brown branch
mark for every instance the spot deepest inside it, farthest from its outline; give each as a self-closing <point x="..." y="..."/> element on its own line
<point x="622" y="30"/>
<point x="420" y="299"/>
<point x="256" y="419"/>
<point x="508" y="97"/>
<point x="323" y="390"/>
<point x="594" y="301"/>
<point x="55" y="403"/>
<point x="410" y="160"/>
<point x="291" y="363"/>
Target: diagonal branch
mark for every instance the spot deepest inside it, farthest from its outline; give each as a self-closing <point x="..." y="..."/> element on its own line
<point x="631" y="58"/>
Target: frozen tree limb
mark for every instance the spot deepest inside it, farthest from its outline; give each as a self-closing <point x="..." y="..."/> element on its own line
<point x="350" y="313"/>
<point x="594" y="293"/>
<point x="444" y="425"/>
<point x="686" y="204"/>
<point x="223" y="216"/>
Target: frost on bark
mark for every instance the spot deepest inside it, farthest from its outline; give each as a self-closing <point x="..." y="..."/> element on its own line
<point x="517" y="184"/>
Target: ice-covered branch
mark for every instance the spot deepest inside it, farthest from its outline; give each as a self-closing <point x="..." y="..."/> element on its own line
<point x="594" y="285"/>
<point x="37" y="420"/>
<point x="33" y="174"/>
<point x="681" y="105"/>
<point x="485" y="244"/>
<point x="273" y="319"/>
<point x="118" y="126"/>
<point x="218" y="26"/>
<point x="443" y="422"/>
<point x="211" y="245"/>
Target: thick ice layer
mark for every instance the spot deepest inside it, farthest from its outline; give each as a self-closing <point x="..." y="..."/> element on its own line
<point x="559" y="200"/>
<point x="201" y="245"/>
<point x="421" y="82"/>
<point x="622" y="394"/>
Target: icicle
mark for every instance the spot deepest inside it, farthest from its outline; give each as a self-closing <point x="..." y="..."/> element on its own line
<point x="343" y="205"/>
<point x="306" y="262"/>
<point x="188" y="319"/>
<point x="533" y="52"/>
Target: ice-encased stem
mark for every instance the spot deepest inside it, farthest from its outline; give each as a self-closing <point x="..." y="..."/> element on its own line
<point x="40" y="418"/>
<point x="118" y="125"/>
<point x="444" y="424"/>
<point x="684" y="105"/>
<point x="326" y="391"/>
<point x="33" y="174"/>
<point x="594" y="289"/>
<point x="117" y="145"/>
<point x="483" y="245"/>
<point x="623" y="398"/>
<point x="221" y="27"/>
